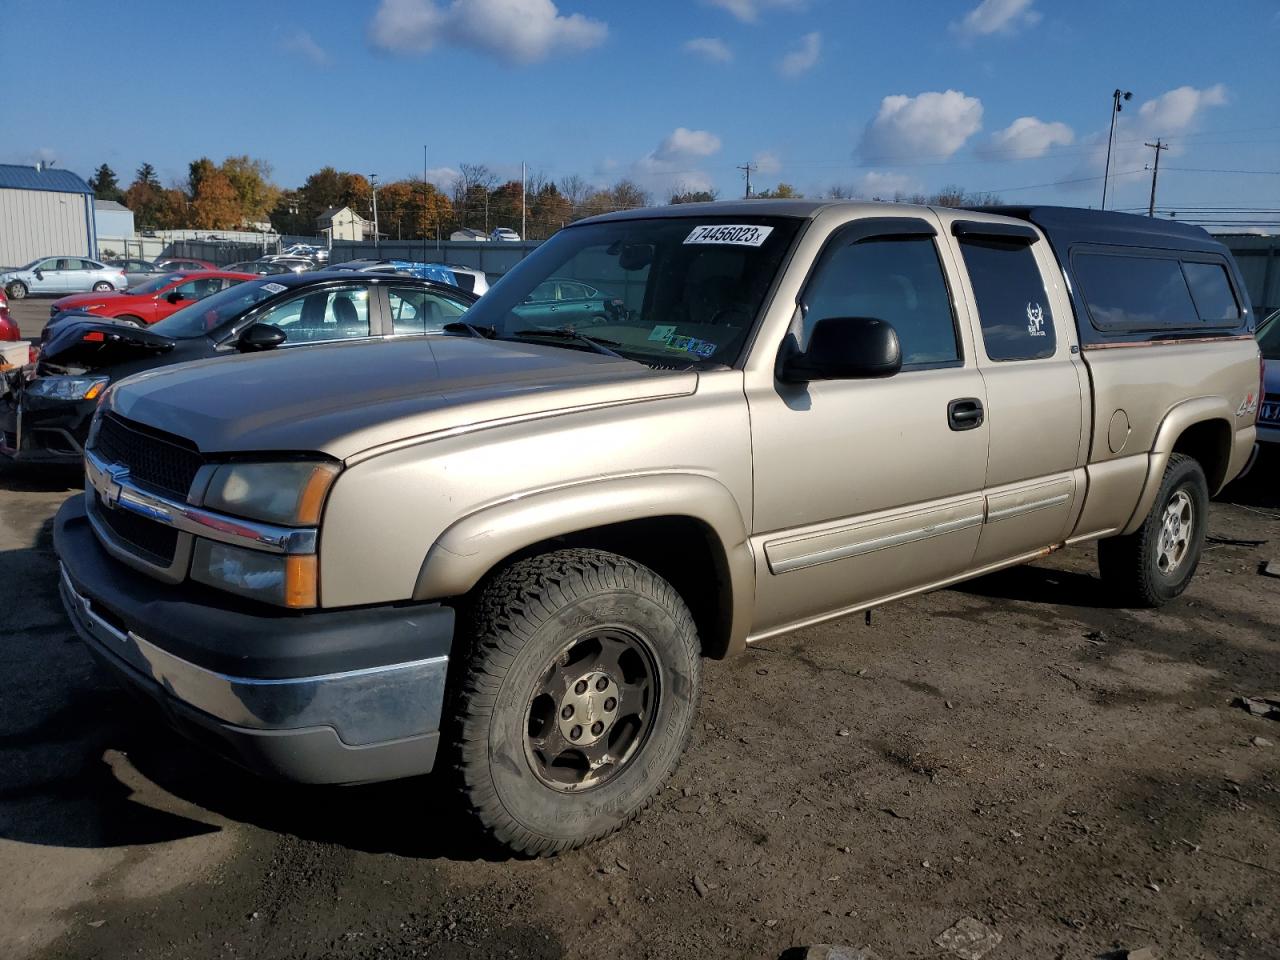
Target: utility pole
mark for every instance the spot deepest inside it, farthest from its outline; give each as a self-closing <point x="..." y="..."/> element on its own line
<point x="1116" y="107"/>
<point x="747" y="169"/>
<point x="373" y="184"/>
<point x="1155" y="173"/>
<point x="523" y="207"/>
<point x="425" y="196"/>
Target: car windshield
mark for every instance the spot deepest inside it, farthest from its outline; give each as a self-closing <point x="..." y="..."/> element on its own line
<point x="671" y="291"/>
<point x="212" y="312"/>
<point x="156" y="285"/>
<point x="1269" y="336"/>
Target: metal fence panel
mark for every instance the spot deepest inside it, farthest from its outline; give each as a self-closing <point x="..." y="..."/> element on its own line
<point x="493" y="258"/>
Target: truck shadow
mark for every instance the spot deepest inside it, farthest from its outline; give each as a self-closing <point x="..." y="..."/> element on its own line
<point x="83" y="764"/>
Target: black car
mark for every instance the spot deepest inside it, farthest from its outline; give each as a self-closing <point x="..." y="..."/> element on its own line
<point x="46" y="419"/>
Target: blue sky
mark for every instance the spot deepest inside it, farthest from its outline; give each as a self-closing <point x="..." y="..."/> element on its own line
<point x="999" y="95"/>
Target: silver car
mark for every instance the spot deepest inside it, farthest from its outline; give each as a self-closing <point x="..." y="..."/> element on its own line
<point x="135" y="270"/>
<point x="61" y="275"/>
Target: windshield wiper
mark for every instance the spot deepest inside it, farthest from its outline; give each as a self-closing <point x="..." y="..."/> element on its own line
<point x="598" y="344"/>
<point x="461" y="326"/>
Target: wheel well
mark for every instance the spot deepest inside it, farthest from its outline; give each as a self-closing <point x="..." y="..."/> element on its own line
<point x="1209" y="443"/>
<point x="682" y="550"/>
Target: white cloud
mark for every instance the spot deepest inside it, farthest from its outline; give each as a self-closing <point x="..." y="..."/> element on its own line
<point x="768" y="163"/>
<point x="515" y="31"/>
<point x="673" y="165"/>
<point x="748" y="11"/>
<point x="303" y="43"/>
<point x="1025" y="139"/>
<point x="685" y="144"/>
<point x="709" y="48"/>
<point x="932" y="125"/>
<point x="997" y="16"/>
<point x="885" y="186"/>
<point x="1176" y="111"/>
<point x="442" y="177"/>
<point x="803" y="58"/>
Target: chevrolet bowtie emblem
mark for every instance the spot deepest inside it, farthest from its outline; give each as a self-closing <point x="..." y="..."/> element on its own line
<point x="116" y="474"/>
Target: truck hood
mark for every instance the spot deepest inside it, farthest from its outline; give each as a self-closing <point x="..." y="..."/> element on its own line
<point x="346" y="398"/>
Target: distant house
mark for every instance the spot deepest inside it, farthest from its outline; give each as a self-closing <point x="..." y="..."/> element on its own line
<point x="343" y="223"/>
<point x="113" y="221"/>
<point x="466" y="234"/>
<point x="43" y="212"/>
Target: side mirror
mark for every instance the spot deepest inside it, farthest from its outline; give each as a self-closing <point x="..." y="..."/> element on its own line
<point x="261" y="336"/>
<point x="844" y="348"/>
<point x="174" y="296"/>
<point x="39" y="273"/>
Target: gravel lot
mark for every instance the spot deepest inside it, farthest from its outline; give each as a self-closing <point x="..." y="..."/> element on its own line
<point x="1014" y="749"/>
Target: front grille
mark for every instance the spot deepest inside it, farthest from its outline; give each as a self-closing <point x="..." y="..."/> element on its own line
<point x="153" y="542"/>
<point x="1270" y="410"/>
<point x="154" y="459"/>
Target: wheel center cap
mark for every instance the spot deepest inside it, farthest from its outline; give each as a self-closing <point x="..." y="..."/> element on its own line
<point x="588" y="708"/>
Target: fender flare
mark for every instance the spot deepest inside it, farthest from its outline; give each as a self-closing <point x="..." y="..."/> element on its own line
<point x="1175" y="423"/>
<point x="476" y="543"/>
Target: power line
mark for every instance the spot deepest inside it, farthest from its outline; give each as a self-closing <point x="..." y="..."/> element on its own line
<point x="747" y="169"/>
<point x="1159" y="147"/>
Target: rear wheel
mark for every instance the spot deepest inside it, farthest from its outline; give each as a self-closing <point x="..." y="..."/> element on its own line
<point x="17" y="290"/>
<point x="578" y="699"/>
<point x="1155" y="564"/>
<point x="102" y="287"/>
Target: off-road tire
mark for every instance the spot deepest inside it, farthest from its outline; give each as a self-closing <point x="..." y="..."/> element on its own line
<point x="1129" y="564"/>
<point x="520" y="621"/>
<point x="17" y="290"/>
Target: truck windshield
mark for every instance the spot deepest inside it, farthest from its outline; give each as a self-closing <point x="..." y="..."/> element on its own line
<point x="205" y="316"/>
<point x="670" y="291"/>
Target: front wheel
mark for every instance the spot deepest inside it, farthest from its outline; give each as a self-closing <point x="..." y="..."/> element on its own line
<point x="578" y="699"/>
<point x="132" y="320"/>
<point x="17" y="290"/>
<point x="1155" y="564"/>
<point x="102" y="287"/>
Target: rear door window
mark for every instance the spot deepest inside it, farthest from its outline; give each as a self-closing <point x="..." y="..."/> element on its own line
<point x="1134" y="293"/>
<point x="420" y="311"/>
<point x="1013" y="307"/>
<point x="1211" y="291"/>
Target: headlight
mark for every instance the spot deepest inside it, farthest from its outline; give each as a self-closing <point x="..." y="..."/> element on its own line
<point x="68" y="388"/>
<point x="291" y="494"/>
<point x="286" y="581"/>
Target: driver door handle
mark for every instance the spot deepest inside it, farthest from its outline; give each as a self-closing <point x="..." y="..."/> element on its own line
<point x="965" y="413"/>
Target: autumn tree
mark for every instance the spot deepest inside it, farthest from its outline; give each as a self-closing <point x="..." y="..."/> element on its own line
<point x="549" y="210"/>
<point x="251" y="180"/>
<point x="215" y="205"/>
<point x="105" y="185"/>
<point x="327" y="188"/>
<point x="145" y="197"/>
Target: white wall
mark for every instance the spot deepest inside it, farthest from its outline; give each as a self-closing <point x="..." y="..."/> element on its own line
<point x="41" y="223"/>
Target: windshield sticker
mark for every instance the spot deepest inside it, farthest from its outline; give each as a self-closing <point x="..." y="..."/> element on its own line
<point x="740" y="235"/>
<point x="699" y="348"/>
<point x="662" y="332"/>
<point x="274" y="287"/>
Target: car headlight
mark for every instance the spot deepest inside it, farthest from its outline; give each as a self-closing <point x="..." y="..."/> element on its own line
<point x="291" y="494"/>
<point x="286" y="581"/>
<point x="67" y="388"/>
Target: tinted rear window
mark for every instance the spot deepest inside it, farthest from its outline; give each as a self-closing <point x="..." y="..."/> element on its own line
<point x="1211" y="291"/>
<point x="466" y="281"/>
<point x="1012" y="304"/>
<point x="1135" y="293"/>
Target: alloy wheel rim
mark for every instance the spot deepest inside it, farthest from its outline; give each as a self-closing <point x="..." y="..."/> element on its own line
<point x="593" y="710"/>
<point x="1176" y="524"/>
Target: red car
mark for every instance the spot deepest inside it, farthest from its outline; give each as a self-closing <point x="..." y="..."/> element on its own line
<point x="185" y="263"/>
<point x="8" y="326"/>
<point x="154" y="300"/>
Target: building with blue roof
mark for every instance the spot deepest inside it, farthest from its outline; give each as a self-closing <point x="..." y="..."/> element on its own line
<point x="44" y="211"/>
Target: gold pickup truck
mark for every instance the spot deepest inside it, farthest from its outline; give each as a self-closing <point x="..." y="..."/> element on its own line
<point x="513" y="543"/>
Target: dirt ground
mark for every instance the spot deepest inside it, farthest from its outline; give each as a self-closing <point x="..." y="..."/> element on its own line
<point x="1014" y="750"/>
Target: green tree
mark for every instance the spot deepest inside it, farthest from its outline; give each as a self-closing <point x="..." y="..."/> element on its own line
<point x="783" y="191"/>
<point x="693" y="196"/>
<point x="197" y="170"/>
<point x="105" y="185"/>
<point x="147" y="175"/>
